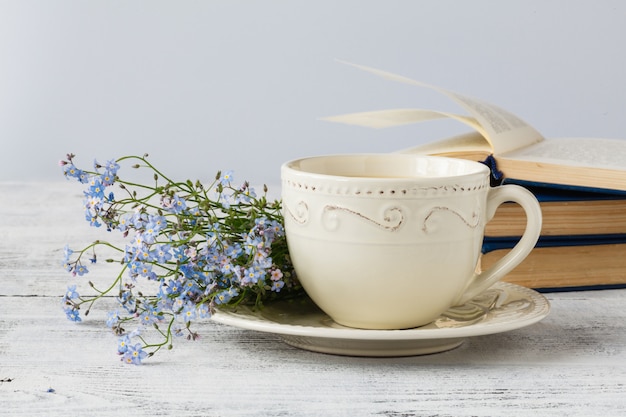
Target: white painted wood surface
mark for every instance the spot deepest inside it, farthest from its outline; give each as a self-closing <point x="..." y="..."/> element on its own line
<point x="573" y="363"/>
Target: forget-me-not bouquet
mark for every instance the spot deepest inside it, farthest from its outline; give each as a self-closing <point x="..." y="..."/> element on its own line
<point x="195" y="247"/>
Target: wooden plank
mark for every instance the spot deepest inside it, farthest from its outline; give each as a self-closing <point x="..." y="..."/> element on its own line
<point x="572" y="363"/>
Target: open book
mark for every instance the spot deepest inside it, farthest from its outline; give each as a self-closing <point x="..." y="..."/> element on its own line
<point x="520" y="151"/>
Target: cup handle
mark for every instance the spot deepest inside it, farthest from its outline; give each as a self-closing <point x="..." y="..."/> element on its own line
<point x="498" y="195"/>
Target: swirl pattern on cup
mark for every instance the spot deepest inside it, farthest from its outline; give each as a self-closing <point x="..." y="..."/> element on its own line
<point x="472" y="222"/>
<point x="393" y="217"/>
<point x="300" y="214"/>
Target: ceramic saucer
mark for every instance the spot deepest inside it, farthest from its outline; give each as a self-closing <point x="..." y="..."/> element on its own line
<point x="300" y="323"/>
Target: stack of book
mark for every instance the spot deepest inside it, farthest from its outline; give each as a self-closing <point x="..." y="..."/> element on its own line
<point x="579" y="182"/>
<point x="582" y="243"/>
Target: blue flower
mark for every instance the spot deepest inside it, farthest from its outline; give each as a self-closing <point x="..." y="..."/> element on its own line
<point x="142" y="269"/>
<point x="191" y="287"/>
<point x="175" y="204"/>
<point x="161" y="253"/>
<point x="194" y="212"/>
<point x="226" y="178"/>
<point x="158" y="222"/>
<point x="128" y="301"/>
<point x="224" y="200"/>
<point x="71" y="171"/>
<point x="112" y="167"/>
<point x="174" y="287"/>
<point x="203" y="311"/>
<point x="72" y="314"/>
<point x="134" y="354"/>
<point x="277" y="285"/>
<point x="107" y="179"/>
<point x="262" y="260"/>
<point x="138" y="241"/>
<point x="212" y="256"/>
<point x="189" y="312"/>
<point x="93" y="220"/>
<point x="227" y="268"/>
<point x="233" y="251"/>
<point x="150" y="315"/>
<point x="251" y="276"/>
<point x="253" y="243"/>
<point x="178" y="304"/>
<point x="180" y="253"/>
<point x="139" y="220"/>
<point x="71" y="293"/>
<point x="245" y="194"/>
<point x="124" y="222"/>
<point x="273" y="230"/>
<point x="110" y="171"/>
<point x="233" y="292"/>
<point x="112" y="318"/>
<point x="83" y="177"/>
<point x="123" y="343"/>
<point x="96" y="189"/>
<point x="150" y="233"/>
<point x="80" y="270"/>
<point x="130" y="253"/>
<point x="225" y="296"/>
<point x="67" y="252"/>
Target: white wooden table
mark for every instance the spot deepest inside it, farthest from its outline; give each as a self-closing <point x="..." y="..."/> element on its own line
<point x="573" y="363"/>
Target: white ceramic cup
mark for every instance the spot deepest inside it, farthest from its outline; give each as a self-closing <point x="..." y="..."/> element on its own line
<point x="391" y="241"/>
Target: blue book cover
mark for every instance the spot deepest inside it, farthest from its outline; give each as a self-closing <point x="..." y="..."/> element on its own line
<point x="491" y="243"/>
<point x="546" y="192"/>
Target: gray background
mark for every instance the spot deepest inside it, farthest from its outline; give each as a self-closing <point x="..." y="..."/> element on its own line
<point x="208" y="85"/>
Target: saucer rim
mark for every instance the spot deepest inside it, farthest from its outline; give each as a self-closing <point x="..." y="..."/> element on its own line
<point x="253" y="321"/>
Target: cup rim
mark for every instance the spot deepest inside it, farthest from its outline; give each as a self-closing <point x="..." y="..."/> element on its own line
<point x="477" y="168"/>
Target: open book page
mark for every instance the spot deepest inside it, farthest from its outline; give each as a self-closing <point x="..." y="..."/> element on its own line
<point x="582" y="152"/>
<point x="504" y="131"/>
<point x="389" y="118"/>
<point x="467" y="143"/>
